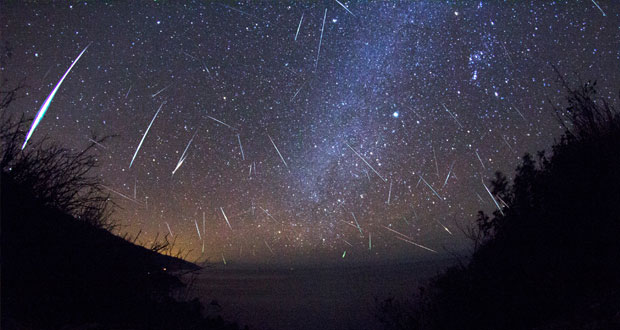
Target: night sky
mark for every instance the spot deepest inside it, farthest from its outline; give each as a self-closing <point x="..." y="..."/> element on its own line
<point x="321" y="131"/>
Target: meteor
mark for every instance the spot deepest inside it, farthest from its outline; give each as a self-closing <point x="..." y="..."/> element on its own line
<point x="144" y="136"/>
<point x="435" y="192"/>
<point x="320" y="40"/>
<point x="169" y="230"/>
<point x="416" y="244"/>
<point x="345" y="8"/>
<point x="396" y="232"/>
<point x="480" y="159"/>
<point x="48" y="101"/>
<point x="493" y="198"/>
<point x="348" y="223"/>
<point x="184" y="155"/>
<point x="389" y="193"/>
<point x="358" y="225"/>
<point x="274" y="145"/>
<point x="221" y="122"/>
<point x="362" y="158"/>
<point x="299" y="27"/>
<point x="226" y="218"/>
<point x="448" y="176"/>
<point x="453" y="116"/>
<point x="240" y="147"/>
<point x="599" y="8"/>
<point x="302" y="86"/>
<point x="97" y="143"/>
<point x="129" y="90"/>
<point x="269" y="247"/>
<point x="519" y="112"/>
<point x="161" y="90"/>
<point x="121" y="194"/>
<point x="435" y="156"/>
<point x="269" y="215"/>
<point x="444" y="227"/>
<point x="197" y="230"/>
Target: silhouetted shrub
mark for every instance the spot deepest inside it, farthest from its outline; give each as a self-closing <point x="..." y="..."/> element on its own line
<point x="61" y="267"/>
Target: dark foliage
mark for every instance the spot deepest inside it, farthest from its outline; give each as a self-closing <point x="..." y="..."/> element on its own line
<point x="551" y="258"/>
<point x="61" y="267"/>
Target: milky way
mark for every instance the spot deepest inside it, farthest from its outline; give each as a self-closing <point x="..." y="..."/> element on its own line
<point x="380" y="140"/>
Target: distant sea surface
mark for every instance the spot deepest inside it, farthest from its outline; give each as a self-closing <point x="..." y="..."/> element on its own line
<point x="311" y="298"/>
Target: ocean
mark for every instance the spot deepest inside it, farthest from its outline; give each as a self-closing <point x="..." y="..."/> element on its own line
<point x="340" y="297"/>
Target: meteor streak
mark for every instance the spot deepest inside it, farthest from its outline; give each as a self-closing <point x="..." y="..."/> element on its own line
<point x="362" y="158"/>
<point x="184" y="155"/>
<point x="122" y="195"/>
<point x="357" y="223"/>
<point x="408" y="239"/>
<point x="225" y="218"/>
<point x="274" y="145"/>
<point x="416" y="244"/>
<point x="221" y="122"/>
<point x="97" y="143"/>
<point x="129" y="90"/>
<point x="145" y="133"/>
<point x="348" y="223"/>
<point x="448" y="176"/>
<point x="519" y="112"/>
<point x="508" y="144"/>
<point x="316" y="63"/>
<point x="48" y="101"/>
<point x="435" y="192"/>
<point x="436" y="164"/>
<point x="480" y="159"/>
<point x="345" y="8"/>
<point x="161" y="90"/>
<point x="444" y="227"/>
<point x="197" y="230"/>
<point x="269" y="247"/>
<point x="493" y="198"/>
<point x="599" y="8"/>
<point x="298" y="27"/>
<point x="302" y="86"/>
<point x="269" y="215"/>
<point x="169" y="230"/>
<point x="396" y="232"/>
<point x="453" y="116"/>
<point x="240" y="147"/>
<point x="389" y="193"/>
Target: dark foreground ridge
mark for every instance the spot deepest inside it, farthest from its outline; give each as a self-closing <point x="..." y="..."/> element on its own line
<point x="62" y="268"/>
<point x="550" y="259"/>
<point x="60" y="272"/>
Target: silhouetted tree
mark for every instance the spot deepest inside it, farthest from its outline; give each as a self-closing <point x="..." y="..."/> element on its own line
<point x="550" y="258"/>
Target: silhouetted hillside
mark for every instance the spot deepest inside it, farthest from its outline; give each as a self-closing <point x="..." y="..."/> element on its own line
<point x="61" y="268"/>
<point x="550" y="259"/>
